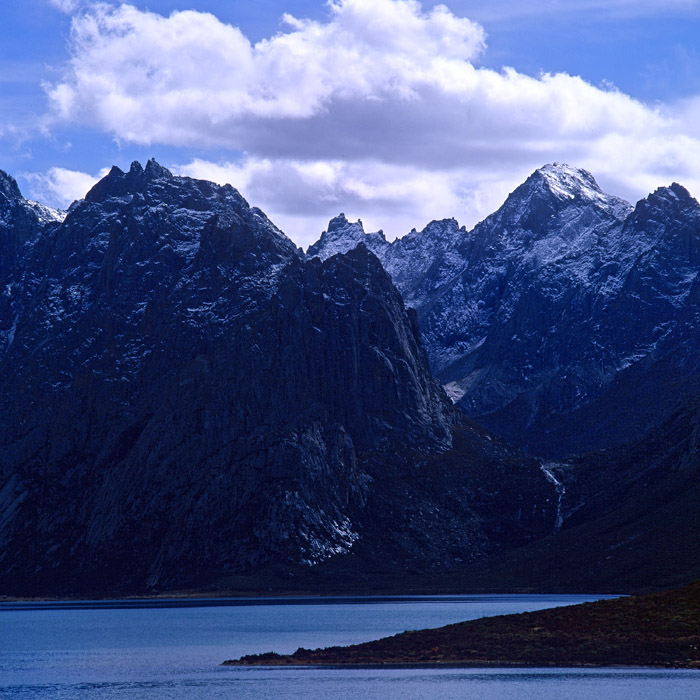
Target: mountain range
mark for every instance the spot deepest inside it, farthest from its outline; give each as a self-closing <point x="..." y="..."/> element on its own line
<point x="565" y="322"/>
<point x="188" y="397"/>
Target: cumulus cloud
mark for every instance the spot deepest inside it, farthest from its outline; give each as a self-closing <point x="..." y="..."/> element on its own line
<point x="190" y="79"/>
<point x="300" y="196"/>
<point x="383" y="106"/>
<point x="59" y="186"/>
<point x="377" y="68"/>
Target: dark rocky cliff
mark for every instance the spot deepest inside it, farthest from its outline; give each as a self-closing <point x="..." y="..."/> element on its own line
<point x="185" y="396"/>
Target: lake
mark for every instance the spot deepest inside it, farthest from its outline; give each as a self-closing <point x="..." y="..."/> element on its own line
<point x="173" y="650"/>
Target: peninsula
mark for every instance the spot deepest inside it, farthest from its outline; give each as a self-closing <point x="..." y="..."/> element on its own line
<point x="659" y="629"/>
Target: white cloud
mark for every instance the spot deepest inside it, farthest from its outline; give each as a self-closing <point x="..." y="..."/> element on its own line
<point x="189" y="79"/>
<point x="59" y="186"/>
<point x="383" y="107"/>
<point x="67" y="6"/>
<point x="300" y="197"/>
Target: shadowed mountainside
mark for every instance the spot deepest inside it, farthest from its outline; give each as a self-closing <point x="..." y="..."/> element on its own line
<point x="186" y="397"/>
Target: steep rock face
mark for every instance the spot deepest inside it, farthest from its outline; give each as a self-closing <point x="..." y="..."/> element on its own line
<point x="186" y="396"/>
<point x="454" y="508"/>
<point x="176" y="361"/>
<point x="20" y="222"/>
<point x="629" y="518"/>
<point x="422" y="263"/>
<point x="566" y="320"/>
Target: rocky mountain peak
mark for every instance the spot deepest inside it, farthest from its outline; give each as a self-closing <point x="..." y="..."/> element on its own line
<point x="150" y="217"/>
<point x="673" y="196"/>
<point x="442" y="228"/>
<point x="9" y="187"/>
<point x="557" y="186"/>
<point x="681" y="192"/>
<point x="567" y="182"/>
<point x="339" y="222"/>
<point x="20" y="221"/>
<point x="664" y="205"/>
<point x="342" y="235"/>
<point x="112" y="184"/>
<point x="552" y="201"/>
<point x="155" y="170"/>
<point x="117" y="183"/>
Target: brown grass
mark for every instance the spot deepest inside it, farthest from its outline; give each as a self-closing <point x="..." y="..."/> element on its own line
<point x="661" y="629"/>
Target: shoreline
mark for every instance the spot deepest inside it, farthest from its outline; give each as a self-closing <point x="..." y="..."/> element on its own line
<point x="296" y="595"/>
<point x="660" y="630"/>
<point x="247" y="601"/>
<point x="695" y="666"/>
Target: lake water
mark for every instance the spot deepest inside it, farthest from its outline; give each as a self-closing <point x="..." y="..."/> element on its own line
<point x="173" y="650"/>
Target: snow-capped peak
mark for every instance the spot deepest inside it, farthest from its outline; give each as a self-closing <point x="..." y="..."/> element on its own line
<point x="551" y="196"/>
<point x="342" y="236"/>
<point x="567" y="182"/>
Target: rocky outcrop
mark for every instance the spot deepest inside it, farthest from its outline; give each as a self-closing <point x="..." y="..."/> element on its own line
<point x="20" y="221"/>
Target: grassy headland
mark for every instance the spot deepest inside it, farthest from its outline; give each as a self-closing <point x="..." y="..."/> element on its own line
<point x="660" y="629"/>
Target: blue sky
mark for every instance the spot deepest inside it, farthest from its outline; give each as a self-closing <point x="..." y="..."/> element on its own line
<point x="393" y="111"/>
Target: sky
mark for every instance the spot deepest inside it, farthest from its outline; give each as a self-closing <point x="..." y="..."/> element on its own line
<point x="393" y="111"/>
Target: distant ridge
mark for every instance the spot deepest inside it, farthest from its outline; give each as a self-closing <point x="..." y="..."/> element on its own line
<point x="560" y="310"/>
